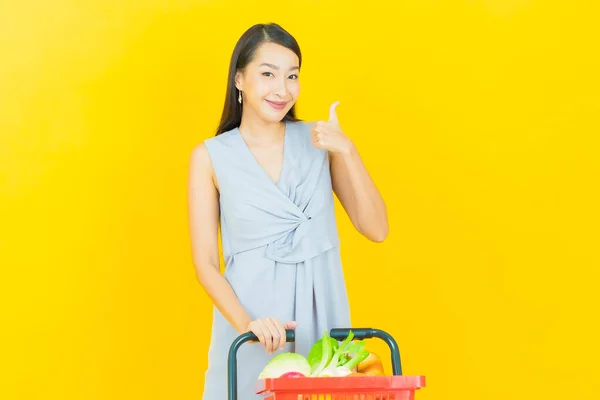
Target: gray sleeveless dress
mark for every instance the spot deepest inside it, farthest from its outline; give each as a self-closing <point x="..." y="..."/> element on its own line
<point x="280" y="248"/>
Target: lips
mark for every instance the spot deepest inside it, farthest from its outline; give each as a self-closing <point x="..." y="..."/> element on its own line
<point x="276" y="104"/>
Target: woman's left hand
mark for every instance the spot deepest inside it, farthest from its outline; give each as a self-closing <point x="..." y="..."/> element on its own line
<point x="328" y="135"/>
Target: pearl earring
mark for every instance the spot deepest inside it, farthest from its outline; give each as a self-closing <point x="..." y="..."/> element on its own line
<point x="240" y="97"/>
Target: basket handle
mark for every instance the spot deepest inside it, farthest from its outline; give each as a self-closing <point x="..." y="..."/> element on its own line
<point x="338" y="334"/>
<point x="290" y="336"/>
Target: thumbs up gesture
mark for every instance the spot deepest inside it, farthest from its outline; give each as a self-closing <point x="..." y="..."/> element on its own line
<point x="328" y="135"/>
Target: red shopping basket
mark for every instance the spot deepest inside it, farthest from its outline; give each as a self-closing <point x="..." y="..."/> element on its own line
<point x="396" y="387"/>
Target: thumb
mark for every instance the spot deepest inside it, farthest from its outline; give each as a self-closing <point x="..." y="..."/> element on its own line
<point x="291" y="325"/>
<point x="332" y="113"/>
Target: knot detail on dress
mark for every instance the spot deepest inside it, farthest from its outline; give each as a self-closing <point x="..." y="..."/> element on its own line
<point x="310" y="237"/>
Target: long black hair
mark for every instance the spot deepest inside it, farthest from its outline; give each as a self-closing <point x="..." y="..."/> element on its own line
<point x="243" y="53"/>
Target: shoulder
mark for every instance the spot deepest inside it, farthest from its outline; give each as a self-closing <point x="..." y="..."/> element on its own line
<point x="303" y="125"/>
<point x="223" y="147"/>
<point x="202" y="167"/>
<point x="224" y="139"/>
<point x="202" y="154"/>
<point x="303" y="129"/>
<point x="200" y="158"/>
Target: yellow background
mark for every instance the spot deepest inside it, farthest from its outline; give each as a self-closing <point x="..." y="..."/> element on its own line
<point x="478" y="120"/>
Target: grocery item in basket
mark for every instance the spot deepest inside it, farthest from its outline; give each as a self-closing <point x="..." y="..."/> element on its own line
<point x="293" y="375"/>
<point x="338" y="362"/>
<point x="371" y="366"/>
<point x="285" y="363"/>
<point x="327" y="358"/>
<point x="316" y="351"/>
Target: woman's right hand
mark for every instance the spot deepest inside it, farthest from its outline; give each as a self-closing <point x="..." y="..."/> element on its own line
<point x="271" y="332"/>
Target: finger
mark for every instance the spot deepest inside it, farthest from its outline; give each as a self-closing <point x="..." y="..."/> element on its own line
<point x="275" y="336"/>
<point x="257" y="330"/>
<point x="321" y="141"/>
<point x="291" y="325"/>
<point x="316" y="139"/>
<point x="313" y="135"/>
<point x="332" y="112"/>
<point x="268" y="337"/>
<point x="281" y="328"/>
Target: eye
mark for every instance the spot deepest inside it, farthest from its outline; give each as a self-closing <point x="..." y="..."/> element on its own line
<point x="265" y="73"/>
<point x="294" y="76"/>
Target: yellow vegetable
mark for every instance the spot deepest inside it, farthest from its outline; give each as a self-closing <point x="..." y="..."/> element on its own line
<point x="371" y="366"/>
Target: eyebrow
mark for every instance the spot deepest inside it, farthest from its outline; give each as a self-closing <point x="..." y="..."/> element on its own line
<point x="276" y="67"/>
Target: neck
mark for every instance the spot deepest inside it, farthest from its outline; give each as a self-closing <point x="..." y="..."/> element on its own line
<point x="260" y="130"/>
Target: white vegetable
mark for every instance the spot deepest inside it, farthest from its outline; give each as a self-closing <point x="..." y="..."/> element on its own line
<point x="331" y="371"/>
<point x="284" y="363"/>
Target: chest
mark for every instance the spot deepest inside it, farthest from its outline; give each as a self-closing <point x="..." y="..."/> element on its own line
<point x="288" y="178"/>
<point x="269" y="158"/>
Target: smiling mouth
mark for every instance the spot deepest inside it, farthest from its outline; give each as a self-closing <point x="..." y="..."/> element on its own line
<point x="276" y="104"/>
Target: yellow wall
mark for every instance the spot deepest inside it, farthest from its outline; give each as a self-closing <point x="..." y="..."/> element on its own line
<point x="478" y="119"/>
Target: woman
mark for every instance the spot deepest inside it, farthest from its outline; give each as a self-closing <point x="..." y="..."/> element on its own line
<point x="268" y="178"/>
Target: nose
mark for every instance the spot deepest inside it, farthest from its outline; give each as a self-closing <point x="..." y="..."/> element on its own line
<point x="280" y="88"/>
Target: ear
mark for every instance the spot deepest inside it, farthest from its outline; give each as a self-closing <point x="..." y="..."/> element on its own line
<point x="239" y="81"/>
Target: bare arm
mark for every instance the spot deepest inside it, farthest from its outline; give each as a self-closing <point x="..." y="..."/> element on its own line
<point x="350" y="179"/>
<point x="358" y="194"/>
<point x="203" y="208"/>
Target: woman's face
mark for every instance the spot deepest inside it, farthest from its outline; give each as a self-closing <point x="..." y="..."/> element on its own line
<point x="270" y="84"/>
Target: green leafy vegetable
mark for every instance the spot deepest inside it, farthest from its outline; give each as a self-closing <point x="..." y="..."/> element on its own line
<point x="326" y="350"/>
<point x="316" y="352"/>
<point x="355" y="353"/>
<point x="327" y="358"/>
<point x="336" y="356"/>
